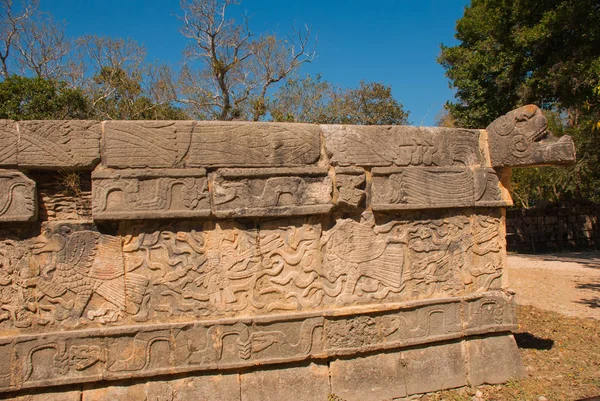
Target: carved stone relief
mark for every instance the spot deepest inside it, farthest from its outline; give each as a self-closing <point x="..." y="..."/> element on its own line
<point x="9" y="138"/>
<point x="521" y="138"/>
<point x="350" y="185"/>
<point x="56" y="144"/>
<point x="435" y="187"/>
<point x="271" y="192"/>
<point x="149" y="194"/>
<point x="18" y="200"/>
<point x="150" y="350"/>
<point x="401" y="146"/>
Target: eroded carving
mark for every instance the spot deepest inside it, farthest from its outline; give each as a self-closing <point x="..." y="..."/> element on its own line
<point x="149" y="194"/>
<point x="401" y="146"/>
<point x="59" y="144"/>
<point x="275" y="192"/>
<point x="350" y="185"/>
<point x="521" y="138"/>
<point x="8" y="143"/>
<point x="18" y="199"/>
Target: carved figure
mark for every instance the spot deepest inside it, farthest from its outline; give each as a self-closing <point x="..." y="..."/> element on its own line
<point x="521" y="138"/>
<point x="271" y="194"/>
<point x="88" y="263"/>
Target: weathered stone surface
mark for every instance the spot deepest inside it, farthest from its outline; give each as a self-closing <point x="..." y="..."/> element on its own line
<point x="242" y="144"/>
<point x="435" y="187"/>
<point x="59" y="144"/>
<point x="225" y="387"/>
<point x="369" y="378"/>
<point x="521" y="138"/>
<point x="350" y="188"/>
<point x="271" y="192"/>
<point x="380" y="252"/>
<point x="304" y="383"/>
<point x="149" y="194"/>
<point x="494" y="360"/>
<point x="435" y="367"/>
<point x="140" y="144"/>
<point x="401" y="146"/>
<point x="18" y="199"/>
<point x="9" y="138"/>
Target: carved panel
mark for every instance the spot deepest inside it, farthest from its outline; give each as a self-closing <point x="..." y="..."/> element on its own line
<point x="139" y="144"/>
<point x="401" y="146"/>
<point x="8" y="143"/>
<point x="434" y="187"/>
<point x="350" y="185"/>
<point x="241" y="144"/>
<point x="151" y="350"/>
<point x="149" y="194"/>
<point x="271" y="192"/>
<point x="59" y="144"/>
<point x="18" y="200"/>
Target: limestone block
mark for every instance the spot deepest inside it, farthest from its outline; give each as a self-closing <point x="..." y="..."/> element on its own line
<point x="18" y="198"/>
<point x="125" y="391"/>
<point x="140" y="144"/>
<point x="302" y="383"/>
<point x="494" y="311"/>
<point x="243" y="144"/>
<point x="59" y="144"/>
<point x="225" y="387"/>
<point x="401" y="146"/>
<point x="9" y="138"/>
<point x="149" y="194"/>
<point x="51" y="395"/>
<point x="350" y="185"/>
<point x="494" y="360"/>
<point x="368" y="378"/>
<point x="435" y="367"/>
<point x="271" y="192"/>
<point x="521" y="138"/>
<point x="434" y="187"/>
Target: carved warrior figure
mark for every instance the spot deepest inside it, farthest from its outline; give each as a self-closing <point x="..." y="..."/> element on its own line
<point x="520" y="138"/>
<point x="88" y="263"/>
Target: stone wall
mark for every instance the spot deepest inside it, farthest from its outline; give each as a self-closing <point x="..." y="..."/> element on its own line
<point x="221" y="260"/>
<point x="553" y="228"/>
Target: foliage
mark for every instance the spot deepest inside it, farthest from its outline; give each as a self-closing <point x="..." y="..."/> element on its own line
<point x="515" y="52"/>
<point x="316" y="101"/>
<point x="23" y="98"/>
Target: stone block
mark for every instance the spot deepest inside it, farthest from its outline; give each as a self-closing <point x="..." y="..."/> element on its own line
<point x="50" y="394"/>
<point x="9" y="138"/>
<point x="401" y="146"/>
<point x="149" y="194"/>
<point x="243" y="144"/>
<point x="122" y="391"/>
<point x="301" y="383"/>
<point x="18" y="198"/>
<point x="271" y="192"/>
<point x="59" y="144"/>
<point x="436" y="367"/>
<point x="369" y="378"/>
<point x="494" y="360"/>
<point x="350" y="185"/>
<point x="140" y="144"/>
<point x="207" y="388"/>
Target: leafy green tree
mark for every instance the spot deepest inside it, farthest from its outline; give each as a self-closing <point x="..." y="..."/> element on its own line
<point x="515" y="52"/>
<point x="23" y="98"/>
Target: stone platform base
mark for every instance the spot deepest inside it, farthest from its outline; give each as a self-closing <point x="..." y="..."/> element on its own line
<point x="381" y="376"/>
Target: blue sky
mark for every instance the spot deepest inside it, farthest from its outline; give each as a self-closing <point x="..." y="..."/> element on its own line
<point x="395" y="42"/>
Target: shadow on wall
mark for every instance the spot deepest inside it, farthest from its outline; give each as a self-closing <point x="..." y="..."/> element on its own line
<point x="553" y="228"/>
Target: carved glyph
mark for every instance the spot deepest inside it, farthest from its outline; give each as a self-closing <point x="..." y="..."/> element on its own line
<point x="149" y="194"/>
<point x="18" y="199"/>
<point x="9" y="138"/>
<point x="271" y="192"/>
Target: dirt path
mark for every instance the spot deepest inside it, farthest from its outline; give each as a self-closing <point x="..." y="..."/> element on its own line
<point x="568" y="283"/>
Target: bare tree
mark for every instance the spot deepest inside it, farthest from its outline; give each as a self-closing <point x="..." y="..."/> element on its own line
<point x="12" y="20"/>
<point x="43" y="47"/>
<point x="236" y="68"/>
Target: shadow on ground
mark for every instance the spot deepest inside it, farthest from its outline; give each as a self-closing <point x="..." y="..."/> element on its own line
<point x="529" y="341"/>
